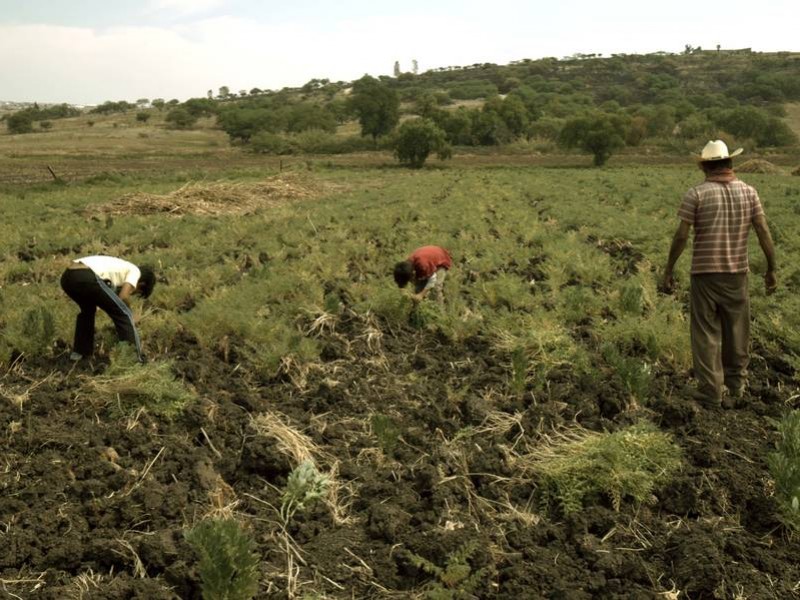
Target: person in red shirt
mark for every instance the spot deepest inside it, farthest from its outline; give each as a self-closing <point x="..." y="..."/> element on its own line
<point x="426" y="268"/>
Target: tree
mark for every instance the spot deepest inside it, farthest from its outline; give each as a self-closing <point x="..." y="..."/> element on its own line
<point x="224" y="92"/>
<point x="414" y="66"/>
<point x="142" y="102"/>
<point x="306" y="116"/>
<point x="376" y="105"/>
<point x="243" y="123"/>
<point x="158" y="103"/>
<point x="20" y="122"/>
<point x="416" y="139"/>
<point x="397" y="68"/>
<point x="143" y="117"/>
<point x="598" y="133"/>
<point x="180" y="118"/>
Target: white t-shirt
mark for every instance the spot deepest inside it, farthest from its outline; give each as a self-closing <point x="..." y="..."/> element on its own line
<point x="113" y="270"/>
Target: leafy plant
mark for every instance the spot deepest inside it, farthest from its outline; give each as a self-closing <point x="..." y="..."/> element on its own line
<point x="386" y="431"/>
<point x="457" y="579"/>
<point x="228" y="559"/>
<point x="35" y="333"/>
<point x="577" y="464"/>
<point x="304" y="487"/>
<point x="784" y="465"/>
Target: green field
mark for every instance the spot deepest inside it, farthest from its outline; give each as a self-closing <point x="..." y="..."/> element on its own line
<point x="276" y="336"/>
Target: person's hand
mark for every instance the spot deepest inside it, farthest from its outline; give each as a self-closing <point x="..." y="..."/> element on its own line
<point x="416" y="298"/>
<point x="770" y="282"/>
<point x="667" y="283"/>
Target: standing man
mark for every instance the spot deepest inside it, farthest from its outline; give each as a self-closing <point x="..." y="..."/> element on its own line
<point x="721" y="210"/>
<point x="426" y="267"/>
<point x="108" y="283"/>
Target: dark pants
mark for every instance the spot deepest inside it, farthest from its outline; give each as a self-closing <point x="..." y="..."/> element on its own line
<point x="720" y="328"/>
<point x="90" y="292"/>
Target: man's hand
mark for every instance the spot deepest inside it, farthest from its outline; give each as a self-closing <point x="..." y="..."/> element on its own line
<point x="770" y="282"/>
<point x="667" y="283"/>
<point x="417" y="298"/>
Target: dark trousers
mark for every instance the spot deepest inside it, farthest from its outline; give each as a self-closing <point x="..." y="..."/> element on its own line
<point x="720" y="328"/>
<point x="90" y="293"/>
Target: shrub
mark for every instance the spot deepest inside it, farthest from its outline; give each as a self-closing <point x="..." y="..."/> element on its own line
<point x="33" y="335"/>
<point x="577" y="464"/>
<point x="151" y="386"/>
<point x="180" y="118"/>
<point x="20" y="122"/>
<point x="228" y="560"/>
<point x="784" y="465"/>
<point x="143" y="117"/>
<point x="416" y="139"/>
<point x="45" y="125"/>
<point x="270" y="143"/>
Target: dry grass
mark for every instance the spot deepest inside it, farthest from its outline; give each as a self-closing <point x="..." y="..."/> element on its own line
<point x="291" y="441"/>
<point x="214" y="199"/>
<point x="796" y="171"/>
<point x="759" y="166"/>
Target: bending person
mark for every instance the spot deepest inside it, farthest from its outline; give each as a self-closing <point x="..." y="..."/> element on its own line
<point x="107" y="283"/>
<point x="426" y="269"/>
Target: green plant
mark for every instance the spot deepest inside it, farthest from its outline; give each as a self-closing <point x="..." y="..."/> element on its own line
<point x="32" y="334"/>
<point x="456" y="579"/>
<point x="386" y="431"/>
<point x="304" y="487"/>
<point x="228" y="559"/>
<point x="152" y="386"/>
<point x="414" y="140"/>
<point x="519" y="371"/>
<point x="576" y="464"/>
<point x="784" y="465"/>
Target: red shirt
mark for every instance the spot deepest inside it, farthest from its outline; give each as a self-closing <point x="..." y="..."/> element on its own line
<point x="428" y="259"/>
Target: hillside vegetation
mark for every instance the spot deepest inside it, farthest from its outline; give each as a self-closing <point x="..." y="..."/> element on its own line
<point x="666" y="103"/>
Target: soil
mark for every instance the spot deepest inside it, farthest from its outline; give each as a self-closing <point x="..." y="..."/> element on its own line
<point x="95" y="506"/>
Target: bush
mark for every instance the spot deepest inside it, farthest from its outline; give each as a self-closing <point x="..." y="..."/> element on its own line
<point x="45" y="125"/>
<point x="414" y="140"/>
<point x="151" y="386"/>
<point x="578" y="464"/>
<point x="142" y="117"/>
<point x="33" y="335"/>
<point x="784" y="465"/>
<point x="228" y="560"/>
<point x="20" y="122"/>
<point x="265" y="142"/>
<point x="180" y="118"/>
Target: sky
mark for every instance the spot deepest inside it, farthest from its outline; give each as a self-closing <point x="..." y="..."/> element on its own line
<point x="90" y="51"/>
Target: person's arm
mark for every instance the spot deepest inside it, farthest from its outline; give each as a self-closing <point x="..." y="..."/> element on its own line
<point x="679" y="241"/>
<point x="125" y="293"/>
<point x="424" y="291"/>
<point x="768" y="248"/>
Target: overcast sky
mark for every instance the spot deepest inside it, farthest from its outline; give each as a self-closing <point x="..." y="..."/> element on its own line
<point x="89" y="51"/>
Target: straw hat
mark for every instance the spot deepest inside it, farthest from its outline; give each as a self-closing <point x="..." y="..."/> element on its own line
<point x="717" y="150"/>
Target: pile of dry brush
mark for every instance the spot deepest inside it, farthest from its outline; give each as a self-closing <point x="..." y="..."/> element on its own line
<point x="215" y="198"/>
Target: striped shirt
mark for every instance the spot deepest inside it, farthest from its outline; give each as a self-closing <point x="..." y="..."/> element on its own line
<point x="721" y="214"/>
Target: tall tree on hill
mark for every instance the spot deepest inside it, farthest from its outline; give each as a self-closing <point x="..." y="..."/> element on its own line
<point x="376" y="105"/>
<point x="414" y="67"/>
<point x="397" y="68"/>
